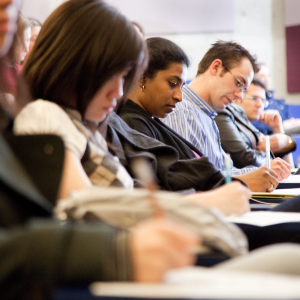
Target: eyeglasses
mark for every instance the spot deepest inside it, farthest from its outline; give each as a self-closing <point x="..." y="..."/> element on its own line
<point x="239" y="84"/>
<point x="255" y="99"/>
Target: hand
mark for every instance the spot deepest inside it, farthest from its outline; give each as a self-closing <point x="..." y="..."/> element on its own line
<point x="230" y="199"/>
<point x="260" y="180"/>
<point x="272" y="118"/>
<point x="159" y="245"/>
<point x="281" y="167"/>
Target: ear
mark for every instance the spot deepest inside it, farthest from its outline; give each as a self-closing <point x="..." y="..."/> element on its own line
<point x="216" y="67"/>
<point x="142" y="82"/>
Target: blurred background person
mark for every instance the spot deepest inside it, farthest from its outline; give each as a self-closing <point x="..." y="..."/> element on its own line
<point x="35" y="26"/>
<point x="12" y="63"/>
<point x="291" y="125"/>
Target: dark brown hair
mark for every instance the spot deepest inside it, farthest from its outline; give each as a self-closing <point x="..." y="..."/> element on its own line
<point x="230" y="53"/>
<point x="82" y="45"/>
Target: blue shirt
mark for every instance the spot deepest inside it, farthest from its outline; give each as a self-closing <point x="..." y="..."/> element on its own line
<point x="194" y="120"/>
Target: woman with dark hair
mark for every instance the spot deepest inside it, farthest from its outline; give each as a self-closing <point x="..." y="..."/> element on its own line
<point x="80" y="81"/>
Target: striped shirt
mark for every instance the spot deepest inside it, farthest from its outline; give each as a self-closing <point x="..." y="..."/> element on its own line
<point x="194" y="120"/>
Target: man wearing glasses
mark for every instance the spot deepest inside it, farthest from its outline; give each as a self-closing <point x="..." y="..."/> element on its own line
<point x="224" y="75"/>
<point x="242" y="140"/>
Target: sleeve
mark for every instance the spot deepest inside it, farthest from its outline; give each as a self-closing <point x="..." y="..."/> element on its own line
<point x="44" y="117"/>
<point x="45" y="253"/>
<point x="232" y="142"/>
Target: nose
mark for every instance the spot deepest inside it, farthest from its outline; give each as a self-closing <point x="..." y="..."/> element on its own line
<point x="117" y="87"/>
<point x="239" y="94"/>
<point x="178" y="95"/>
<point x="27" y="47"/>
<point x="259" y="103"/>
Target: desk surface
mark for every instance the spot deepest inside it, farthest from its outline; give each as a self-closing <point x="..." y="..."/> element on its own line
<point x="201" y="283"/>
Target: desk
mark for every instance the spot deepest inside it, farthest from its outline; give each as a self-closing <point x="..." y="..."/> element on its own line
<point x="200" y="283"/>
<point x="194" y="283"/>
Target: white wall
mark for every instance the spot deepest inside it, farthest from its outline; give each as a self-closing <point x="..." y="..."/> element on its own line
<point x="259" y="26"/>
<point x="39" y="9"/>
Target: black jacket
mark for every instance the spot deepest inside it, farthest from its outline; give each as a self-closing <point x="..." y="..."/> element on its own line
<point x="173" y="162"/>
<point x="239" y="137"/>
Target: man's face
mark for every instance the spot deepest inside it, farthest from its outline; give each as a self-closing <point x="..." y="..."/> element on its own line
<point x="224" y="88"/>
<point x="253" y="103"/>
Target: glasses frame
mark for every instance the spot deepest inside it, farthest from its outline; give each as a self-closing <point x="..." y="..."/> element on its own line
<point x="239" y="83"/>
<point x="264" y="102"/>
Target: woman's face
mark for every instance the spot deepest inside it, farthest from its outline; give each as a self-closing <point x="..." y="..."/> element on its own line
<point x="163" y="91"/>
<point x="8" y="18"/>
<point x="105" y="99"/>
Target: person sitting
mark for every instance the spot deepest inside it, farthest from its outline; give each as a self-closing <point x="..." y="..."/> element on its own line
<point x="239" y="138"/>
<point x="223" y="76"/>
<point x="291" y="125"/>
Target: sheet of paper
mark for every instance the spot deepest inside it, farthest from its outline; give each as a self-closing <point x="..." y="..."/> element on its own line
<point x="279" y="192"/>
<point x="291" y="179"/>
<point x="265" y="218"/>
<point x="204" y="283"/>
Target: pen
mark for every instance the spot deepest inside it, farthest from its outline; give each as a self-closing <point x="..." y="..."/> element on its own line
<point x="268" y="151"/>
<point x="227" y="168"/>
<point x="143" y="171"/>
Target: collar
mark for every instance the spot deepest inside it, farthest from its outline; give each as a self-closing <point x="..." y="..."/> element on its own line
<point x="241" y="112"/>
<point x="190" y="95"/>
<point x="132" y="107"/>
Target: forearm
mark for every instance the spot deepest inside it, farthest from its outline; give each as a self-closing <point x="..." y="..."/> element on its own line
<point x="48" y="253"/>
<point x="282" y="143"/>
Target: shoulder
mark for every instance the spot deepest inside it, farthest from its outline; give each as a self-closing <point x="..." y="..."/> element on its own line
<point x="41" y="109"/>
<point x="45" y="117"/>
